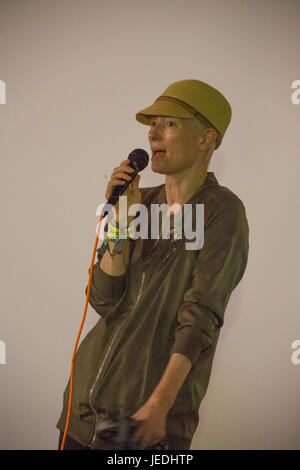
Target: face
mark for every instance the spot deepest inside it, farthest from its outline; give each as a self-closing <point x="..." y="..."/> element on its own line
<point x="179" y="138"/>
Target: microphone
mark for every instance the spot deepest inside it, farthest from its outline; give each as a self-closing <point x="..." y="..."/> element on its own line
<point x="139" y="159"/>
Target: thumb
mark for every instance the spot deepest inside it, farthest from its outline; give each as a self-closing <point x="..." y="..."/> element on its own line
<point x="136" y="180"/>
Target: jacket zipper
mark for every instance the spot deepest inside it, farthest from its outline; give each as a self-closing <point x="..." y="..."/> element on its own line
<point x="106" y="354"/>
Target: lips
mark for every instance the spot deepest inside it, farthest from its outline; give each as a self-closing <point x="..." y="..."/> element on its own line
<point x="158" y="153"/>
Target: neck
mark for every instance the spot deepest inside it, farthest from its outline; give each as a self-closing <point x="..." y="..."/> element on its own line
<point x="181" y="187"/>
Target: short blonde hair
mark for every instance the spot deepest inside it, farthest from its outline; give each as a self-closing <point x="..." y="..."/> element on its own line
<point x="201" y="126"/>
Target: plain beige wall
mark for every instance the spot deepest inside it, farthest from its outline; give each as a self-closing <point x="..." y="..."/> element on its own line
<point x="76" y="73"/>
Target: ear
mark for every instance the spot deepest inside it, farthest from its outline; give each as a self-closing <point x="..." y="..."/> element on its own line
<point x="207" y="138"/>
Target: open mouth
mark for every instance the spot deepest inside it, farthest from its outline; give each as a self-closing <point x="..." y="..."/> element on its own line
<point x="158" y="153"/>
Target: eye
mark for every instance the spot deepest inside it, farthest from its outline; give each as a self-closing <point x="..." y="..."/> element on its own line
<point x="153" y="122"/>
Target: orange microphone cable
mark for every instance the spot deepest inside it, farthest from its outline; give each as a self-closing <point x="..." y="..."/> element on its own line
<point x="78" y="336"/>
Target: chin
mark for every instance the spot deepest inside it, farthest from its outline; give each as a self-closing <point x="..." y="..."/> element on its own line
<point x="157" y="170"/>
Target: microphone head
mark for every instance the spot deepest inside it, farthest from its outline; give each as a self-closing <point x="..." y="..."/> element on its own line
<point x="139" y="159"/>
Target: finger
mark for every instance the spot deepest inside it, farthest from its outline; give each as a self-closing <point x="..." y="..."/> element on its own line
<point x="116" y="182"/>
<point x="125" y="161"/>
<point x="134" y="183"/>
<point x="154" y="442"/>
<point x="136" y="190"/>
<point x="126" y="167"/>
<point x="111" y="185"/>
<point x="127" y="170"/>
<point x="136" y="180"/>
<point x="122" y="174"/>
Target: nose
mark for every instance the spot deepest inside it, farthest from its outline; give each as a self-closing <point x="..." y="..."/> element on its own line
<point x="155" y="132"/>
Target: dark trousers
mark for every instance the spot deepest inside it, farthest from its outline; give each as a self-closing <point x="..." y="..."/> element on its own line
<point x="70" y="444"/>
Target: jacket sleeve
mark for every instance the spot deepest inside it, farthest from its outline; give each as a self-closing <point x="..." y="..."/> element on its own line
<point x="105" y="289"/>
<point x="219" y="268"/>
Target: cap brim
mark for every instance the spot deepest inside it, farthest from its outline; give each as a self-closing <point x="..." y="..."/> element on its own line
<point x="162" y="108"/>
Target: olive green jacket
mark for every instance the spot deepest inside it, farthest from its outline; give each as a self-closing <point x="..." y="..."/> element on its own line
<point x="170" y="300"/>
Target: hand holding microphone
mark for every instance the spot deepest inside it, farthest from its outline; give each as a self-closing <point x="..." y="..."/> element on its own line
<point x="125" y="179"/>
<point x="132" y="192"/>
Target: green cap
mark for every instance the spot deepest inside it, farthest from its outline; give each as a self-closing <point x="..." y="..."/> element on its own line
<point x="188" y="98"/>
